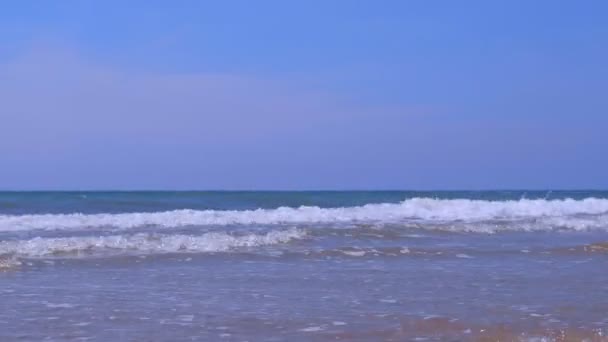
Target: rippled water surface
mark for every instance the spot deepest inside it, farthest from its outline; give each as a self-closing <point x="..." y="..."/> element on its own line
<point x="289" y="266"/>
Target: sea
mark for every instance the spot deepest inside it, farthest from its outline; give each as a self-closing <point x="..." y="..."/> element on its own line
<point x="304" y="266"/>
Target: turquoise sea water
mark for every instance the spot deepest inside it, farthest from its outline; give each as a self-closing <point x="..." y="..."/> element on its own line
<point x="284" y="266"/>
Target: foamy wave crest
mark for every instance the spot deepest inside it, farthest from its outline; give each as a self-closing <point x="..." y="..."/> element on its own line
<point x="576" y="214"/>
<point x="143" y="243"/>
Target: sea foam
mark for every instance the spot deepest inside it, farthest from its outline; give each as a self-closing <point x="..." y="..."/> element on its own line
<point x="590" y="213"/>
<point x="146" y="243"/>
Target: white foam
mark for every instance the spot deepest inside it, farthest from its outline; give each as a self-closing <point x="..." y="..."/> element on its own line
<point x="464" y="256"/>
<point x="312" y="329"/>
<point x="143" y="243"/>
<point x="354" y="253"/>
<point x="590" y="213"/>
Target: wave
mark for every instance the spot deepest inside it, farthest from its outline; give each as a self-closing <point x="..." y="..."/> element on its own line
<point x="143" y="243"/>
<point x="589" y="213"/>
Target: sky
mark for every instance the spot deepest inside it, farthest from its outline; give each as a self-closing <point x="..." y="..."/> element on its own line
<point x="303" y="95"/>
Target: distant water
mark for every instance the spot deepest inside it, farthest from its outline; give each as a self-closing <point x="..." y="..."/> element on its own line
<point x="300" y="266"/>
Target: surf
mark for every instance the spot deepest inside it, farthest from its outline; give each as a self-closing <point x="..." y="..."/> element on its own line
<point x="589" y="213"/>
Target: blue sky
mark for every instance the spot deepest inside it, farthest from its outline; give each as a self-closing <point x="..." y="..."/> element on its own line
<point x="303" y="94"/>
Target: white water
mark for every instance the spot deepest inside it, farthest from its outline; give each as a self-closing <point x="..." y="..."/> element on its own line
<point x="144" y="243"/>
<point x="590" y="213"/>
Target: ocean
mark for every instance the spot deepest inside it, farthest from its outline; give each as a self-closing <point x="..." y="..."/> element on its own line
<point x="304" y="266"/>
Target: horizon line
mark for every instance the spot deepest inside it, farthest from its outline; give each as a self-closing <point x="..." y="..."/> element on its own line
<point x="307" y="190"/>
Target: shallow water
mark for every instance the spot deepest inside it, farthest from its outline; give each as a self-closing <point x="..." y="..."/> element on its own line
<point x="304" y="266"/>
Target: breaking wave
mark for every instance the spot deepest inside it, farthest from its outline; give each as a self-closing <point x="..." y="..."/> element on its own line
<point x="143" y="243"/>
<point x="590" y="213"/>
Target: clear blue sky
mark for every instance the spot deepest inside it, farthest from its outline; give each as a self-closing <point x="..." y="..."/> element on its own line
<point x="303" y="94"/>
